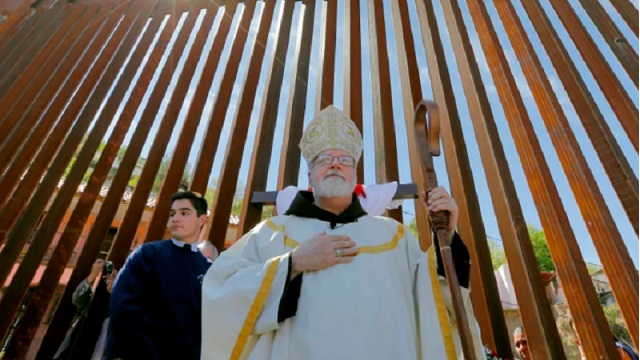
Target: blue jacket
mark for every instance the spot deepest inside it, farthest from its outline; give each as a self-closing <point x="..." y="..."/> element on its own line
<point x="156" y="304"/>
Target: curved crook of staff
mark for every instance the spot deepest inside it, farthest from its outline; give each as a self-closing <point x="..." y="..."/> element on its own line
<point x="428" y="143"/>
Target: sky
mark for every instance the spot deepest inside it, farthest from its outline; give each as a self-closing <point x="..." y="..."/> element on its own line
<point x="488" y="215"/>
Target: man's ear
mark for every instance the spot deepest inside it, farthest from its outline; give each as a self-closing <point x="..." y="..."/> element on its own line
<point x="203" y="219"/>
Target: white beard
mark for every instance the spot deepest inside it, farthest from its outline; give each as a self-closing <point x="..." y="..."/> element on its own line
<point x="333" y="186"/>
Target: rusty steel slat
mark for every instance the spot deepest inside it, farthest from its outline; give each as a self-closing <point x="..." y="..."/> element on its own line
<point x="290" y="155"/>
<point x="12" y="177"/>
<point x="210" y="140"/>
<point x="542" y="334"/>
<point x="611" y="88"/>
<point x="16" y="62"/>
<point x="470" y="223"/>
<point x="263" y="145"/>
<point x="17" y="42"/>
<point x="62" y="318"/>
<point x="223" y="199"/>
<point x="582" y="299"/>
<point x="85" y="204"/>
<point x="615" y="163"/>
<point x="328" y="56"/>
<point x="16" y="20"/>
<point x="352" y="52"/>
<point x="614" y="38"/>
<point x="383" y="120"/>
<point x="27" y="221"/>
<point x="485" y="297"/>
<point x="139" y="199"/>
<point x="77" y="53"/>
<point x="18" y="199"/>
<point x="16" y="120"/>
<point x="628" y="12"/>
<point x="607" y="240"/>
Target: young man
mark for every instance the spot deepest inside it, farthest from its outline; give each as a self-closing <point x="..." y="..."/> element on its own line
<point x="327" y="281"/>
<point x="156" y="299"/>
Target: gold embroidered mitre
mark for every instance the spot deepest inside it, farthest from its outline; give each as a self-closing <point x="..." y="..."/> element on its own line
<point x="331" y="129"/>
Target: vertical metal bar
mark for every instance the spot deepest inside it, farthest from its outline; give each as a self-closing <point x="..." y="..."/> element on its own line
<point x="537" y="318"/>
<point x="470" y="225"/>
<point x="27" y="221"/>
<point x="12" y="176"/>
<point x="210" y="140"/>
<point x="17" y="120"/>
<point x="611" y="88"/>
<point x="329" y="56"/>
<point x="17" y="43"/>
<point x="614" y="38"/>
<point x="261" y="156"/>
<point x="140" y="196"/>
<point x="16" y="62"/>
<point x="609" y="244"/>
<point x="383" y="119"/>
<point x="582" y="299"/>
<point x="352" y="52"/>
<point x="76" y="223"/>
<point x="77" y="52"/>
<point x="223" y="199"/>
<point x="615" y="163"/>
<point x="17" y="202"/>
<point x="14" y="21"/>
<point x="628" y="12"/>
<point x="290" y="155"/>
<point x="118" y="186"/>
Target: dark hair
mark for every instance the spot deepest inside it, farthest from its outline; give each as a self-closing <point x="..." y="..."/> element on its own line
<point x="198" y="202"/>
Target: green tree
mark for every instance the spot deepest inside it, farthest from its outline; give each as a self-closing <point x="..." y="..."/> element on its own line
<point x="616" y="324"/>
<point x="413" y="227"/>
<point x="540" y="250"/>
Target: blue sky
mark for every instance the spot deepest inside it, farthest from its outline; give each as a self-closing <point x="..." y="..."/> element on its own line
<point x="488" y="215"/>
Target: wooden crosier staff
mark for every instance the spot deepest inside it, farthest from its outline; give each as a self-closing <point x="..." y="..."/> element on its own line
<point x="428" y="144"/>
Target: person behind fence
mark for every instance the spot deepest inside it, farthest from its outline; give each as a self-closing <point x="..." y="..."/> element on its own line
<point x="521" y="343"/>
<point x="81" y="298"/>
<point x="208" y="250"/>
<point x="625" y="351"/>
<point x="156" y="299"/>
<point x="325" y="280"/>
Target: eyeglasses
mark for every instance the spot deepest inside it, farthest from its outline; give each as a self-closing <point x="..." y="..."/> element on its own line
<point x="326" y="160"/>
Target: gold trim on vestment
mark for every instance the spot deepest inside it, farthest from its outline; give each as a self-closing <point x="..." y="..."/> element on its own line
<point x="374" y="249"/>
<point x="255" y="309"/>
<point x="443" y="317"/>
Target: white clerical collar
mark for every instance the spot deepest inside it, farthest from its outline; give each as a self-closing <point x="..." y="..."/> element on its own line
<point x="181" y="244"/>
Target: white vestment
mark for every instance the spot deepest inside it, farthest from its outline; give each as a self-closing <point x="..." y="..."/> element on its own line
<point x="388" y="303"/>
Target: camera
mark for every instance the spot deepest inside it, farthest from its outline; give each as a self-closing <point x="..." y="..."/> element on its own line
<point x="108" y="268"/>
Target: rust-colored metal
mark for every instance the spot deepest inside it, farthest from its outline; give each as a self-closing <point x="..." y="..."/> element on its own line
<point x="87" y="47"/>
<point x="223" y="198"/>
<point x="613" y="160"/>
<point x="542" y="334"/>
<point x="328" y="55"/>
<point x="16" y="62"/>
<point x="21" y="196"/>
<point x="383" y="119"/>
<point x="124" y="238"/>
<point x="125" y="34"/>
<point x="352" y="52"/>
<point x="290" y="156"/>
<point x="562" y="243"/>
<point x="210" y="140"/>
<point x="44" y="66"/>
<point x="14" y="22"/>
<point x="628" y="12"/>
<point x="56" y="211"/>
<point x="427" y="140"/>
<point x="613" y="37"/>
<point x="262" y="148"/>
<point x="85" y="204"/>
<point x="16" y="44"/>
<point x="582" y="299"/>
<point x="485" y="296"/>
<point x="611" y="88"/>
